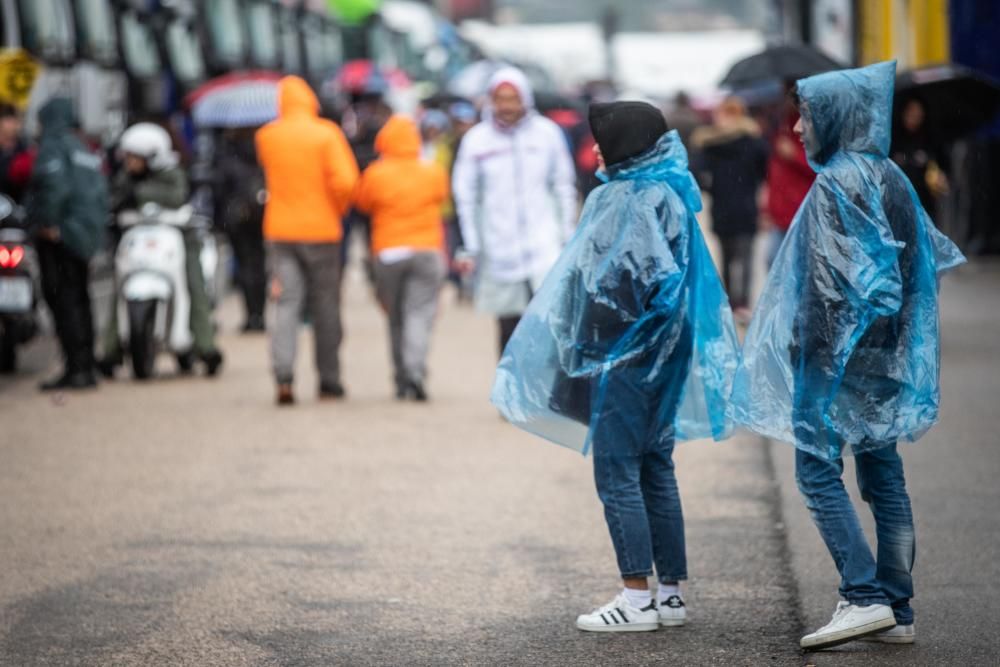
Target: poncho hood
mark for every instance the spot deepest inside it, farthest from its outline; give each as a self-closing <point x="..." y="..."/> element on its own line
<point x="848" y="111"/>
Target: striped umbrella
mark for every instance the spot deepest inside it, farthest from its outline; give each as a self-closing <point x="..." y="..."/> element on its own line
<point x="243" y="99"/>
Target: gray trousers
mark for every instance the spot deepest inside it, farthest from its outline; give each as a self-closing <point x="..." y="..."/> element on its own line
<point x="308" y="274"/>
<point x="408" y="290"/>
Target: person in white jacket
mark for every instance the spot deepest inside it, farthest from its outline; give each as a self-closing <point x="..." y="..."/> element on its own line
<point x="515" y="193"/>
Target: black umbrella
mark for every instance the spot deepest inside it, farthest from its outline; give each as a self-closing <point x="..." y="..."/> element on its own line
<point x="779" y="63"/>
<point x="958" y="100"/>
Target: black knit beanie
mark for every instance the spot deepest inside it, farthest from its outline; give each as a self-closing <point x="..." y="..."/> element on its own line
<point x="625" y="129"/>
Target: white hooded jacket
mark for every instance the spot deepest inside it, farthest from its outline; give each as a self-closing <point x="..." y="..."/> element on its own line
<point x="515" y="191"/>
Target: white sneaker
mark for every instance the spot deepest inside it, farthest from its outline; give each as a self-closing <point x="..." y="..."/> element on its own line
<point x="672" y="611"/>
<point x="901" y="634"/>
<point x="850" y="622"/>
<point x="619" y="616"/>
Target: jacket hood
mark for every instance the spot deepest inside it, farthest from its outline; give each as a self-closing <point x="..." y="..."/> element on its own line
<point x="514" y="77"/>
<point x="296" y="97"/>
<point x="666" y="161"/>
<point x="57" y="115"/>
<point x="399" y="137"/>
<point x="848" y="111"/>
<point x="712" y="135"/>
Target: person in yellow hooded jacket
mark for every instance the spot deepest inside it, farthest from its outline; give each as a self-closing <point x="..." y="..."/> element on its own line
<point x="404" y="195"/>
<point x="310" y="174"/>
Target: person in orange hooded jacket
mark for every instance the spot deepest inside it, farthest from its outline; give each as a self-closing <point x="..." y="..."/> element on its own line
<point x="404" y="195"/>
<point x="310" y="174"/>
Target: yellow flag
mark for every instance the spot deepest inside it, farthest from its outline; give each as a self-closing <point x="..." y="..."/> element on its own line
<point x="18" y="72"/>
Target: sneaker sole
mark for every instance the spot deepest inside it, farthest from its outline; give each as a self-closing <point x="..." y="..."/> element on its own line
<point x="889" y="640"/>
<point x="624" y="627"/>
<point x="673" y="622"/>
<point x="845" y="636"/>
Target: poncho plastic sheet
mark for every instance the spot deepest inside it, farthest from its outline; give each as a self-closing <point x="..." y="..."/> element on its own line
<point x="842" y="355"/>
<point x="629" y="343"/>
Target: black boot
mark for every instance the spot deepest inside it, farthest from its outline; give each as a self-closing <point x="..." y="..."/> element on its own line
<point x="213" y="362"/>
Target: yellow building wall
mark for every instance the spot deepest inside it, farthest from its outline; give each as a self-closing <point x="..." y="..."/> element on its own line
<point x="914" y="32"/>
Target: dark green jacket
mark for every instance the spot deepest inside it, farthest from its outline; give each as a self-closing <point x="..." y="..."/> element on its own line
<point x="68" y="189"/>
<point x="168" y="188"/>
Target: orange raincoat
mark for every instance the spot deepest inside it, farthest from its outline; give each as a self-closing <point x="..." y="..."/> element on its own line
<point x="403" y="193"/>
<point x="310" y="169"/>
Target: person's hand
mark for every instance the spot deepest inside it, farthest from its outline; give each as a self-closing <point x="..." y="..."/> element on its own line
<point x="465" y="265"/>
<point x="785" y="148"/>
<point x="51" y="234"/>
<point x="936" y="180"/>
<point x="275" y="289"/>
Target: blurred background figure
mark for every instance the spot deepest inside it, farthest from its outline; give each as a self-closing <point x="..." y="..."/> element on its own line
<point x="68" y="204"/>
<point x="241" y="199"/>
<point x="151" y="173"/>
<point x="683" y="118"/>
<point x="311" y="174"/>
<point x="789" y="175"/>
<point x="918" y="154"/>
<point x="515" y="190"/>
<point x="731" y="163"/>
<point x="405" y="196"/>
<point x="16" y="156"/>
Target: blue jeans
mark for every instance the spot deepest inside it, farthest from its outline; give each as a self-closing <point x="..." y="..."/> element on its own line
<point x="643" y="509"/>
<point x="864" y="579"/>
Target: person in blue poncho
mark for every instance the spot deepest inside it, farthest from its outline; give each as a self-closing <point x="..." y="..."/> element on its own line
<point x="842" y="356"/>
<point x="629" y="346"/>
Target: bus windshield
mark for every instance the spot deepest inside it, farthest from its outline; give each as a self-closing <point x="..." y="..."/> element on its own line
<point x="262" y="30"/>
<point x="291" y="57"/>
<point x="184" y="51"/>
<point x="47" y="29"/>
<point x="96" y="31"/>
<point x="139" y="47"/>
<point x="226" y="31"/>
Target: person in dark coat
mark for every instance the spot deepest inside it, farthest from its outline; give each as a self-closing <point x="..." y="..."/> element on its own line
<point x="732" y="168"/>
<point x="68" y="204"/>
<point x="918" y="154"/>
<point x="242" y="195"/>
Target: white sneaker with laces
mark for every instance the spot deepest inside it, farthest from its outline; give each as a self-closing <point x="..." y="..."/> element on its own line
<point x="850" y="622"/>
<point x="619" y="616"/>
<point x="901" y="634"/>
<point x="672" y="611"/>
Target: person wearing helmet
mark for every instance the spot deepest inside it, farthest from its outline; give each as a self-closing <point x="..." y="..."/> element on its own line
<point x="151" y="174"/>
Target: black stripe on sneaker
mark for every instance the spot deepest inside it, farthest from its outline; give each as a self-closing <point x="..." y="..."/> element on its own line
<point x="613" y="617"/>
<point x="605" y="620"/>
<point x="650" y="607"/>
<point x="622" y="614"/>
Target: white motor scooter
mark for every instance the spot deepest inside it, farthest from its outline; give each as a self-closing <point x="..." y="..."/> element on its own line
<point x="154" y="306"/>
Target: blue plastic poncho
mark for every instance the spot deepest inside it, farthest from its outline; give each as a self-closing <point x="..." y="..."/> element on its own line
<point x="843" y="352"/>
<point x="629" y="343"/>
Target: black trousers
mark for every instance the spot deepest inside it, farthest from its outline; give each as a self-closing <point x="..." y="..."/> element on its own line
<point x="507" y="326"/>
<point x="247" y="238"/>
<point x="737" y="268"/>
<point x="65" y="284"/>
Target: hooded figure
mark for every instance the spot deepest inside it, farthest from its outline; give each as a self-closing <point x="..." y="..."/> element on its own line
<point x="68" y="190"/>
<point x="403" y="195"/>
<point x="843" y="352"/>
<point x="515" y="194"/>
<point x="629" y="344"/>
<point x="310" y="174"/>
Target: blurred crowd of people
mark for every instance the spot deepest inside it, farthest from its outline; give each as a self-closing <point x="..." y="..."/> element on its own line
<point x="482" y="193"/>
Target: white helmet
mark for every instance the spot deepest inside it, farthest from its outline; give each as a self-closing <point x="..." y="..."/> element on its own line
<point x="150" y="142"/>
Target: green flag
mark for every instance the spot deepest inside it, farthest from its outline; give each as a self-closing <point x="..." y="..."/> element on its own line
<point x="354" y="11"/>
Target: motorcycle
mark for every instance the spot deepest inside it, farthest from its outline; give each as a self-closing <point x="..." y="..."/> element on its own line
<point x="153" y="301"/>
<point x="19" y="279"/>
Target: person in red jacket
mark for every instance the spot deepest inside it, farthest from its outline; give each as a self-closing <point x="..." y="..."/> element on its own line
<point x="789" y="178"/>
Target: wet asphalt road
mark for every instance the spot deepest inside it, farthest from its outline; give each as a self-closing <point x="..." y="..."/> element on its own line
<point x="189" y="522"/>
